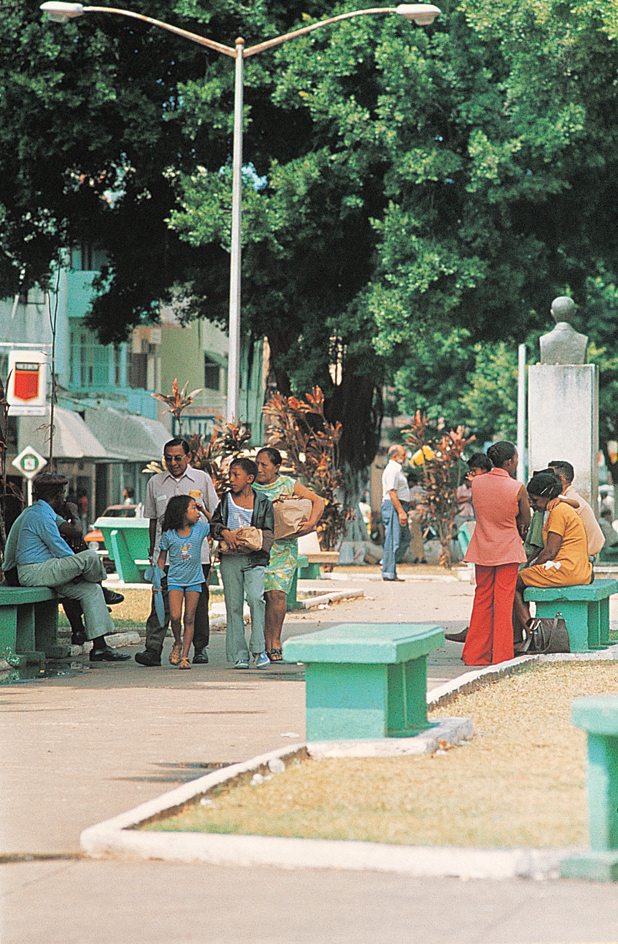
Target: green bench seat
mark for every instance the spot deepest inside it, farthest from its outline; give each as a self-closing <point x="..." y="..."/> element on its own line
<point x="29" y="625"/>
<point x="365" y="680"/>
<point x="585" y="610"/>
<point x="599" y="717"/>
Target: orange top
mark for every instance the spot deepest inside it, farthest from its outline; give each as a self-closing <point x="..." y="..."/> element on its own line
<point x="496" y="539"/>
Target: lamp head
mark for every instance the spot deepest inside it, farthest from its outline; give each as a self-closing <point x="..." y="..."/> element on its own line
<point x="422" y="13"/>
<point x="61" y="12"/>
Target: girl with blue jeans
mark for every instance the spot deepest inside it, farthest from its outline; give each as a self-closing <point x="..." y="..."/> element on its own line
<point x="182" y="538"/>
<point x="242" y="570"/>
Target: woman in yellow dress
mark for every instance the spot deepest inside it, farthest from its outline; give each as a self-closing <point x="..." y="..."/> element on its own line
<point x="284" y="552"/>
<point x="563" y="561"/>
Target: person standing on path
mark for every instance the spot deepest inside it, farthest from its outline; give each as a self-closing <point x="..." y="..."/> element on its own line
<point x="179" y="479"/>
<point x="284" y="552"/>
<point x="242" y="569"/>
<point x="181" y="545"/>
<point x="502" y="516"/>
<point x="395" y="504"/>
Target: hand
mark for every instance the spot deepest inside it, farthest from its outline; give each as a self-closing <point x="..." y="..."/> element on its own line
<point x="71" y="510"/>
<point x="304" y="528"/>
<point x="403" y="518"/>
<point x="231" y="539"/>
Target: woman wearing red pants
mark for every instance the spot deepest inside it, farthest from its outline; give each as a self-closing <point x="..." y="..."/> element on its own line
<point x="502" y="517"/>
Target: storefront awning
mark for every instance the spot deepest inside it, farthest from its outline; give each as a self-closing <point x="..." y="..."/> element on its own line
<point x="126" y="436"/>
<point x="72" y="439"/>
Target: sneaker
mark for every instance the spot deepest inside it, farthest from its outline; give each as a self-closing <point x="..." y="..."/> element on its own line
<point x="241" y="664"/>
<point x="261" y="660"/>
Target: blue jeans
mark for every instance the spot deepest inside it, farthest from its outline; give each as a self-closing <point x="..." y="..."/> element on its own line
<point x="240" y="579"/>
<point x="396" y="538"/>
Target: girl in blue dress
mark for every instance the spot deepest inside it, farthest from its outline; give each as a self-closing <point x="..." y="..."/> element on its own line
<point x="182" y="537"/>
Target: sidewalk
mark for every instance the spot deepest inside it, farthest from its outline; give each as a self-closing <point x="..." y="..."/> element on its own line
<point x="83" y="748"/>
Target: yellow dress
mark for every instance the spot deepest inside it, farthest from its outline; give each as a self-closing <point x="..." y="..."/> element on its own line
<point x="575" y="568"/>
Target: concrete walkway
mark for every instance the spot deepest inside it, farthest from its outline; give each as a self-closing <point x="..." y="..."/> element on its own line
<point x="82" y="748"/>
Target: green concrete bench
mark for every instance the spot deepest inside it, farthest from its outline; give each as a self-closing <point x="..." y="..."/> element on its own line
<point x="599" y="717"/>
<point x="585" y="610"/>
<point x="29" y="625"/>
<point x="365" y="680"/>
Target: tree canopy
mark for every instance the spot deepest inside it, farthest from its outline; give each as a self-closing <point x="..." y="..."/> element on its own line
<point x="414" y="198"/>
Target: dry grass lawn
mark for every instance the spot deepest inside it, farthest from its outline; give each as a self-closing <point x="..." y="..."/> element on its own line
<point x="519" y="782"/>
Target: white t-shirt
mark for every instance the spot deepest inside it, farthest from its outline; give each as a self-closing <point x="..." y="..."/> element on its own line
<point x="393" y="478"/>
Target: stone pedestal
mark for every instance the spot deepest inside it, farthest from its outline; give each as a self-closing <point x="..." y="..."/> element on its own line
<point x="563" y="421"/>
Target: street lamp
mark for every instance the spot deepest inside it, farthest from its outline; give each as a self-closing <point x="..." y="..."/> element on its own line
<point x="421" y="13"/>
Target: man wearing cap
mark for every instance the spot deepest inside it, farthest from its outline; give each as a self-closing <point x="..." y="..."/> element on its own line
<point x="44" y="559"/>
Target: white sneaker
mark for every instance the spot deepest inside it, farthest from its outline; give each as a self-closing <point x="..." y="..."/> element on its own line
<point x="241" y="664"/>
<point x="261" y="660"/>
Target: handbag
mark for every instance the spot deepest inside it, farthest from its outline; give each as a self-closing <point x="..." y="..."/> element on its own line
<point x="546" y="634"/>
<point x="251" y="539"/>
<point x="290" y="513"/>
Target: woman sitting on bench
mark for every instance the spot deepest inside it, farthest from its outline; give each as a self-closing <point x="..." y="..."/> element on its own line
<point x="563" y="561"/>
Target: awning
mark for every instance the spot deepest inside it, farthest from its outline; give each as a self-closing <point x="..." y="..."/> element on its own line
<point x="72" y="438"/>
<point x="127" y="436"/>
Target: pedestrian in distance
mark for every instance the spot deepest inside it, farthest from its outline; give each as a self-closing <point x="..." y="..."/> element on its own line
<point x="181" y="542"/>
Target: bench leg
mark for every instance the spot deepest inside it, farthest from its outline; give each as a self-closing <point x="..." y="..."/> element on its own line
<point x="346" y="702"/>
<point x="576" y="617"/>
<point x="46" y="630"/>
<point x="407" y="698"/>
<point x="600" y="863"/>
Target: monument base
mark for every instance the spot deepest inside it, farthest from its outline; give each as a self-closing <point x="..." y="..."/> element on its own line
<point x="563" y="421"/>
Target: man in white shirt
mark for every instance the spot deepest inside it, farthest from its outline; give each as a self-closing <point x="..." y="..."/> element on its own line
<point x="395" y="503"/>
<point x="566" y="474"/>
<point x="180" y="479"/>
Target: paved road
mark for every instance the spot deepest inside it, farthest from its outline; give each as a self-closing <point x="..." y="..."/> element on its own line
<point x="82" y="748"/>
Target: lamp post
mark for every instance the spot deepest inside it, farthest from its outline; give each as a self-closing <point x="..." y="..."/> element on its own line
<point x="422" y="14"/>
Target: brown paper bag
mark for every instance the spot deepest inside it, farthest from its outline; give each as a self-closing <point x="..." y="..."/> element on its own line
<point x="251" y="538"/>
<point x="290" y="512"/>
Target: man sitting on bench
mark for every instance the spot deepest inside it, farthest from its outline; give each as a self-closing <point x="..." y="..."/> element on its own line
<point x="44" y="559"/>
<point x="70" y="527"/>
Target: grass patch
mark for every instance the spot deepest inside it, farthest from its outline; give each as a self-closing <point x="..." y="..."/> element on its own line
<point x="134" y="610"/>
<point x="519" y="782"/>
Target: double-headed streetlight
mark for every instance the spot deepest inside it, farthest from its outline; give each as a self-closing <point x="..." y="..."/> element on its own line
<point x="421" y="13"/>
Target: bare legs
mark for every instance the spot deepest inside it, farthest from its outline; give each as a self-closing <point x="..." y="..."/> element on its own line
<point x="180" y="652"/>
<point x="276" y="608"/>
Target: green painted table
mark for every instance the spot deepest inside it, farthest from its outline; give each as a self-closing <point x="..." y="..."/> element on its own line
<point x="585" y="610"/>
<point x="365" y="680"/>
<point x="127" y="541"/>
<point x="599" y="717"/>
<point x="29" y="625"/>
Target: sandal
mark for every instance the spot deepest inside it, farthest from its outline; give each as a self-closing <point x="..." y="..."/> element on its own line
<point x="184" y="664"/>
<point x="175" y="654"/>
<point x="275" y="655"/>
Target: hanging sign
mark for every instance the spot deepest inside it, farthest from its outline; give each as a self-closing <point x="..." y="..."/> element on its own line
<point x="27" y="388"/>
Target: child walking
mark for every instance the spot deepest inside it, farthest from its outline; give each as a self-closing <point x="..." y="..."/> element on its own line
<point x="242" y="569"/>
<point x="183" y="534"/>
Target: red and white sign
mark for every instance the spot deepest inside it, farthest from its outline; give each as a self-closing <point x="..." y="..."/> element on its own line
<point x="27" y="383"/>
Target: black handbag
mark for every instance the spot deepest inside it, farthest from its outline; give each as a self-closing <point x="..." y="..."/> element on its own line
<point x="545" y="634"/>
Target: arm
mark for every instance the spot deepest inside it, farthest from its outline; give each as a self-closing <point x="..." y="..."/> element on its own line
<point x="317" y="508"/>
<point x="403" y="515"/>
<point x="218" y="527"/>
<point x="162" y="559"/>
<point x="554" y="543"/>
<point x="71" y="527"/>
<point x="523" y="515"/>
<point x="267" y="523"/>
<point x="556" y="501"/>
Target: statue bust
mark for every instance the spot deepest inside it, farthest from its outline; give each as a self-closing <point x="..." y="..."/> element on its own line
<point x="563" y="345"/>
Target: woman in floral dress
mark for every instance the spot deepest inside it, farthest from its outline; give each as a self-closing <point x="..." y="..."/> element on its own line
<point x="284" y="552"/>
